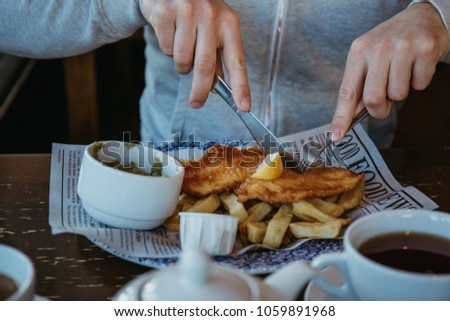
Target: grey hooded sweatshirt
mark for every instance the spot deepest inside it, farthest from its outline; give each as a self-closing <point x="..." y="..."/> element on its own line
<point x="296" y="52"/>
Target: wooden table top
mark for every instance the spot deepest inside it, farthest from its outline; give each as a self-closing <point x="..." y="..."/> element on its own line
<point x="70" y="267"/>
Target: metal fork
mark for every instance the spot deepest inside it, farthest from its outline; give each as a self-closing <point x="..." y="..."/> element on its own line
<point x="315" y="153"/>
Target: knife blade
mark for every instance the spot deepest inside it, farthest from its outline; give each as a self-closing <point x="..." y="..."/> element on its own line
<point x="260" y="133"/>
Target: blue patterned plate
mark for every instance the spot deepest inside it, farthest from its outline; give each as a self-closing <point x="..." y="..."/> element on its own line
<point x="254" y="262"/>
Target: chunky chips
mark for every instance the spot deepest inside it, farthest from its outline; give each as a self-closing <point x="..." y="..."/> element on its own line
<point x="275" y="225"/>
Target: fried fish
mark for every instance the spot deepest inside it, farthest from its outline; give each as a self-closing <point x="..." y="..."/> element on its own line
<point x="292" y="187"/>
<point x="221" y="169"/>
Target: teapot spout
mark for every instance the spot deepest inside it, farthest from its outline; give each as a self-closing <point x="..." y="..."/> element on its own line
<point x="291" y="279"/>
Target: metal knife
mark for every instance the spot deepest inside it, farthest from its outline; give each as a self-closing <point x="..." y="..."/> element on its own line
<point x="262" y="135"/>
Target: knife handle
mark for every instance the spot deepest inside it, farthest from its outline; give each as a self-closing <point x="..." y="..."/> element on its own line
<point x="223" y="90"/>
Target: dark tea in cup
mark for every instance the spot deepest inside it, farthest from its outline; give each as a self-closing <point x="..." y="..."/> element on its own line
<point x="413" y="247"/>
<point x="7" y="287"/>
<point x="409" y="251"/>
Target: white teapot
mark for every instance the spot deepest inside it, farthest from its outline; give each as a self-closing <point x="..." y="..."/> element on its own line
<point x="196" y="278"/>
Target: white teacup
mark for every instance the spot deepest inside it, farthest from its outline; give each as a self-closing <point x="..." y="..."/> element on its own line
<point x="367" y="279"/>
<point x="16" y="267"/>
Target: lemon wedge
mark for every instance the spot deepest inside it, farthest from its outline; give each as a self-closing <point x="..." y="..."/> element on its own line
<point x="270" y="168"/>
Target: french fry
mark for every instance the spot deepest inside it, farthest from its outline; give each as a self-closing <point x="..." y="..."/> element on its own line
<point x="186" y="198"/>
<point x="186" y="207"/>
<point x="288" y="238"/>
<point x="233" y="206"/>
<point x="207" y="204"/>
<point x="332" y="199"/>
<point x="277" y="226"/>
<point x="173" y="222"/>
<point x="326" y="207"/>
<point x="303" y="217"/>
<point x="304" y="208"/>
<point x="345" y="221"/>
<point x="256" y="231"/>
<point x="186" y="202"/>
<point x="256" y="213"/>
<point x="316" y="230"/>
<point x="351" y="198"/>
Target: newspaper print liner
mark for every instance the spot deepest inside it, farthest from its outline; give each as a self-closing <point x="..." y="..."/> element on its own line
<point x="385" y="194"/>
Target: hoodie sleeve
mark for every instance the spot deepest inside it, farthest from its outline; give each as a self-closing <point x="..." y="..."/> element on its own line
<point x="443" y="7"/>
<point x="59" y="28"/>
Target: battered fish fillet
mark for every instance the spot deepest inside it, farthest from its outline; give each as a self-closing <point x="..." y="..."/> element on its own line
<point x="221" y="169"/>
<point x="292" y="187"/>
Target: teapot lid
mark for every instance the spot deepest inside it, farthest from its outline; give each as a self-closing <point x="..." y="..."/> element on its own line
<point x="196" y="278"/>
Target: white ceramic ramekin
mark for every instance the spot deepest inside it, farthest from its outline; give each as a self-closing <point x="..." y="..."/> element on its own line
<point x="126" y="200"/>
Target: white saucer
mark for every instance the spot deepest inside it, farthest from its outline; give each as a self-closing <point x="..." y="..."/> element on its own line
<point x="314" y="293"/>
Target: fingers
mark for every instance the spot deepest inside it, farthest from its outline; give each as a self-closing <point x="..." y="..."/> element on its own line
<point x="383" y="63"/>
<point x="425" y="64"/>
<point x="163" y="22"/>
<point x="219" y="32"/>
<point x="349" y="96"/>
<point x="422" y="74"/>
<point x="204" y="62"/>
<point x="219" y="68"/>
<point x="370" y="81"/>
<point x="196" y="33"/>
<point x="374" y="96"/>
<point x="234" y="59"/>
<point x="184" y="41"/>
<point x="400" y="74"/>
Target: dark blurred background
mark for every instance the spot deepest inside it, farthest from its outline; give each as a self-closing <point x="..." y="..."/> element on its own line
<point x="58" y="99"/>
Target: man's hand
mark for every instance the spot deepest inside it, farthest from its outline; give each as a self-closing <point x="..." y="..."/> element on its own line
<point x="383" y="63"/>
<point x="198" y="34"/>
